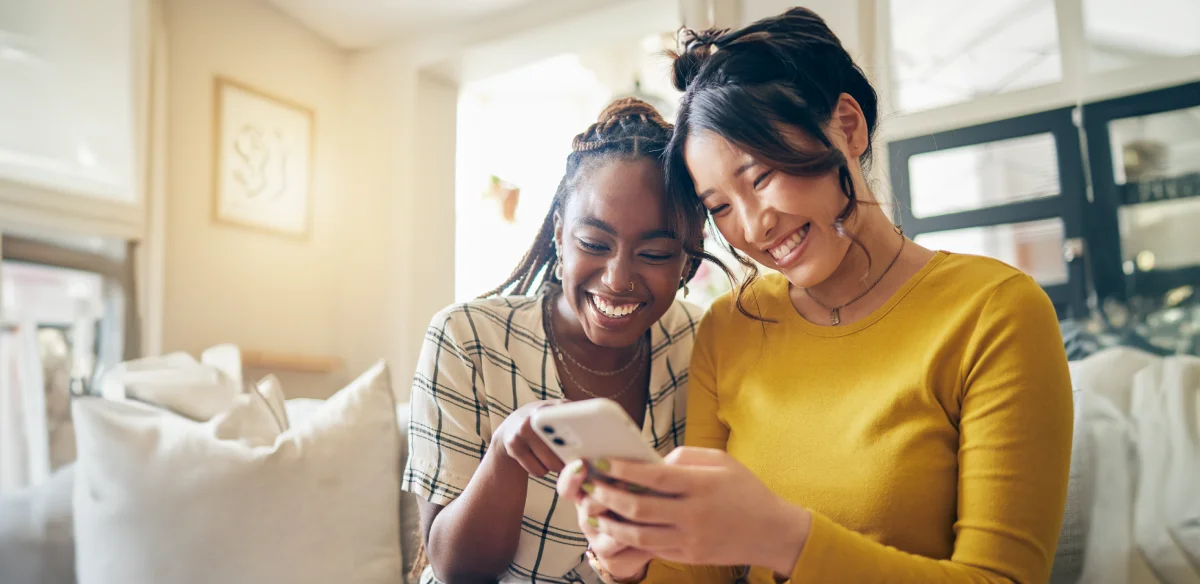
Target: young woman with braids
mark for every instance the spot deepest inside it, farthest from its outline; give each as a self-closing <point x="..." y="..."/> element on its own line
<point x="876" y="411"/>
<point x="594" y="301"/>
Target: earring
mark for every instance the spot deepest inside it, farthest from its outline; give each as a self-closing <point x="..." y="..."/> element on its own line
<point x="685" y="288"/>
<point x="558" y="270"/>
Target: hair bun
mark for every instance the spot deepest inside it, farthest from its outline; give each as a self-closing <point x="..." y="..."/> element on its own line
<point x="629" y="107"/>
<point x="695" y="47"/>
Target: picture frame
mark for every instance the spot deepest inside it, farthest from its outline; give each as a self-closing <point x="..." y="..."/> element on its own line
<point x="263" y="150"/>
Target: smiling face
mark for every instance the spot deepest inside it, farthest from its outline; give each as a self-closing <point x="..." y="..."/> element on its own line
<point x="782" y="221"/>
<point x="621" y="267"/>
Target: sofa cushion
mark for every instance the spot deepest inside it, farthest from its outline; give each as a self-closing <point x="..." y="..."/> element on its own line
<point x="165" y="499"/>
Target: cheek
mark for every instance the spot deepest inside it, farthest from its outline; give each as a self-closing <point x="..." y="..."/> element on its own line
<point x="818" y="198"/>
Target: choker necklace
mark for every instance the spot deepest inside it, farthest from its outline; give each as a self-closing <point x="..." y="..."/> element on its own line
<point x="560" y="353"/>
<point x="835" y="313"/>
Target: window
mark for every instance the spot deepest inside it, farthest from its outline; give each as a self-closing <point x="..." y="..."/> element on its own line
<point x="1120" y="34"/>
<point x="1146" y="178"/>
<point x="943" y="53"/>
<point x="1012" y="190"/>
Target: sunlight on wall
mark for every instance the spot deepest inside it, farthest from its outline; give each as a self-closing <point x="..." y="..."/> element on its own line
<point x="518" y="127"/>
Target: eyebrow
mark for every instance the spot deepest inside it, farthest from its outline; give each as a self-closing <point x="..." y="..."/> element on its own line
<point x="594" y="222"/>
<point x="736" y="173"/>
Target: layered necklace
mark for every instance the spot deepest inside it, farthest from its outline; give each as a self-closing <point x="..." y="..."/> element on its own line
<point x="835" y="312"/>
<point x="567" y="360"/>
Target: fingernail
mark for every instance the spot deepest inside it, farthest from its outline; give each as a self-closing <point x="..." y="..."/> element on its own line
<point x="578" y="467"/>
<point x="593" y="522"/>
<point x="602" y="465"/>
<point x="588" y="488"/>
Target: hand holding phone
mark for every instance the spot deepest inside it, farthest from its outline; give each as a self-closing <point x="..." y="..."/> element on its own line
<point x="517" y="436"/>
<point x="591" y="430"/>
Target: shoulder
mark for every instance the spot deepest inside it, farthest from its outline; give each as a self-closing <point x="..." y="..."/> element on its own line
<point x="681" y="319"/>
<point x="483" y="316"/>
<point x="765" y="297"/>
<point x="994" y="284"/>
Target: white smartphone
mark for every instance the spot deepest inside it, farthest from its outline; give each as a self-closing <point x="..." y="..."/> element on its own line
<point x="592" y="429"/>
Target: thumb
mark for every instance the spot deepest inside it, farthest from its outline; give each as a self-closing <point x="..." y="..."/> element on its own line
<point x="693" y="456"/>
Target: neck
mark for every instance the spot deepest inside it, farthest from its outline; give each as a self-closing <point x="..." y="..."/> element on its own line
<point x="874" y="232"/>
<point x="570" y="336"/>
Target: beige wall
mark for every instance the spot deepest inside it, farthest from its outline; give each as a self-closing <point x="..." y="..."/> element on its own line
<point x="223" y="283"/>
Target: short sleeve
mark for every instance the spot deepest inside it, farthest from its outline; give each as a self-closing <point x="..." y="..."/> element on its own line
<point x="448" y="426"/>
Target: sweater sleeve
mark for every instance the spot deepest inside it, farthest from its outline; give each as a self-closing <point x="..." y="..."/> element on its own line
<point x="706" y="430"/>
<point x="1014" y="459"/>
<point x="704" y="427"/>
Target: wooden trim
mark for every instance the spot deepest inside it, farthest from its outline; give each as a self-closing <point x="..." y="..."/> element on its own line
<point x="32" y="251"/>
<point x="219" y="82"/>
<point x="278" y="361"/>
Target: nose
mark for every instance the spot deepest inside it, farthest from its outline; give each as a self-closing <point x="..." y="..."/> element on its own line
<point x="758" y="222"/>
<point x="617" y="275"/>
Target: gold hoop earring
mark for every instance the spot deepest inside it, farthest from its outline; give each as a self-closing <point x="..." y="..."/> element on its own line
<point x="631" y="286"/>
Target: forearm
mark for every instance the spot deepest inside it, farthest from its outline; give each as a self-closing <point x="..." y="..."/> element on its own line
<point x="474" y="538"/>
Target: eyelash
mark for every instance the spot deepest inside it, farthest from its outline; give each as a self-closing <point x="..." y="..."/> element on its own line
<point x="762" y="177"/>
<point x="596" y="248"/>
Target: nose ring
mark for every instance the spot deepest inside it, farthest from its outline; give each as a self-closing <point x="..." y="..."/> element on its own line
<point x="631" y="286"/>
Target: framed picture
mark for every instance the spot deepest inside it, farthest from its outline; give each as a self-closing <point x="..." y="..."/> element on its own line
<point x="262" y="160"/>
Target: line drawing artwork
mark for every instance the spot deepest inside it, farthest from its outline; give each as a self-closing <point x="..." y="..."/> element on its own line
<point x="262" y="160"/>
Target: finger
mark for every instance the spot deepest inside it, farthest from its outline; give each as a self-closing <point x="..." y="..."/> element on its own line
<point x="693" y="456"/>
<point x="590" y="506"/>
<point x="571" y="479"/>
<point x="519" y="451"/>
<point x="547" y="457"/>
<point x="662" y="478"/>
<point x="636" y="507"/>
<point x="604" y="546"/>
<point x="650" y="538"/>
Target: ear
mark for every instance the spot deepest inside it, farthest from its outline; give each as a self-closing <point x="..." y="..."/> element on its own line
<point x="850" y="125"/>
<point x="558" y="229"/>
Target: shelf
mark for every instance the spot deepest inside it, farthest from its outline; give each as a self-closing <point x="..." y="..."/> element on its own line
<point x="273" y="361"/>
<point x="1160" y="189"/>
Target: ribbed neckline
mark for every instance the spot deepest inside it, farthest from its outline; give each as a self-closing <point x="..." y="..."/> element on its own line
<point x="781" y="297"/>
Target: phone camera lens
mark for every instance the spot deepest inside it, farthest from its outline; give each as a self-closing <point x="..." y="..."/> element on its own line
<point x="560" y="442"/>
<point x="548" y="429"/>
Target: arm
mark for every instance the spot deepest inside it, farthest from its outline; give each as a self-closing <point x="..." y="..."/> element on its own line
<point x="473" y="493"/>
<point x="1014" y="459"/>
<point x="474" y="537"/>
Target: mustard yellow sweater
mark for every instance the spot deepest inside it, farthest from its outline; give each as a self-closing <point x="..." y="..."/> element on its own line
<point x="931" y="440"/>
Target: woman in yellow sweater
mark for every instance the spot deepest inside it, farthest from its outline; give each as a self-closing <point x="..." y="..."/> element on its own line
<point x="875" y="411"/>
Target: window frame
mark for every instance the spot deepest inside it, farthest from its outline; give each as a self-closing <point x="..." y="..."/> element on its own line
<point x="1105" y="243"/>
<point x="1070" y="298"/>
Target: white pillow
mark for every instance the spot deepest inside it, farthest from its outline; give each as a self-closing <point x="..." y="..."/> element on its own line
<point x="177" y="382"/>
<point x="163" y="499"/>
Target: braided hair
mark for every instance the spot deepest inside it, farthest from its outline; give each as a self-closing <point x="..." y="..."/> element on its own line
<point x="750" y="86"/>
<point x="627" y="129"/>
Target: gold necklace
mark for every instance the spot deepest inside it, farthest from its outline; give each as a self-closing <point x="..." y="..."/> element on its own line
<point x="554" y="346"/>
<point x="835" y="313"/>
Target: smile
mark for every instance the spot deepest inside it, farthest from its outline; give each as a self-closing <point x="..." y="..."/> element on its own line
<point x="614" y="309"/>
<point x="781" y="250"/>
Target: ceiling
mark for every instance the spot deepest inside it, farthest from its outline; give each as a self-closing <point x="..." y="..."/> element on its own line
<point x="358" y="24"/>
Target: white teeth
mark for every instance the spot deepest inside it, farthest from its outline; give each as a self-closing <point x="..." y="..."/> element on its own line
<point x="781" y="250"/>
<point x="611" y="311"/>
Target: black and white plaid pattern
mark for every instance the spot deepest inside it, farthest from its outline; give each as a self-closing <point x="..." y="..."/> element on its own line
<point x="483" y="359"/>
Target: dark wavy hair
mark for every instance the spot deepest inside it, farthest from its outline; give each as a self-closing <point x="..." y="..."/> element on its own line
<point x="751" y="86"/>
<point x="627" y="129"/>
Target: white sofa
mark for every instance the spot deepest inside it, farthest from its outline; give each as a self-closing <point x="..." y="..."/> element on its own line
<point x="38" y="525"/>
